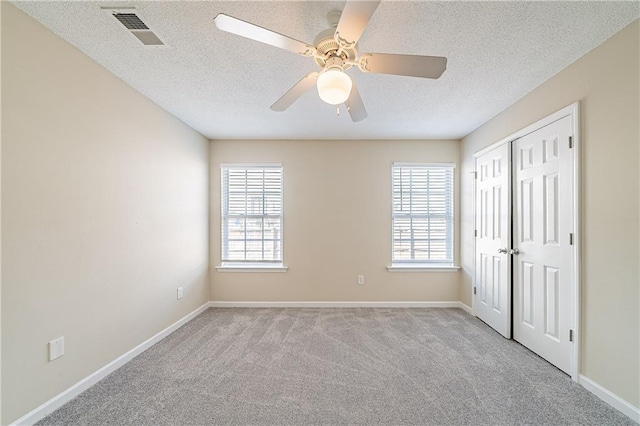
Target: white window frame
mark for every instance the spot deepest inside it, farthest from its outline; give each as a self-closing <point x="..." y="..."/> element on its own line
<point x="418" y="264"/>
<point x="252" y="265"/>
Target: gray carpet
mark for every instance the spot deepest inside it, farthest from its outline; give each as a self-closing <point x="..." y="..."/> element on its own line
<point x="336" y="366"/>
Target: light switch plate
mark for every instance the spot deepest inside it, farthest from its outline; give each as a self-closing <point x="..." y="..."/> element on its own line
<point x="56" y="348"/>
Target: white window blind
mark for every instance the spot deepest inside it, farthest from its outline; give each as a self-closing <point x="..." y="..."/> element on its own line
<point x="251" y="213"/>
<point x="423" y="213"/>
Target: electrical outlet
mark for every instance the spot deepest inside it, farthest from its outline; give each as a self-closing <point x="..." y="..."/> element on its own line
<point x="360" y="279"/>
<point x="179" y="293"/>
<point x="56" y="348"/>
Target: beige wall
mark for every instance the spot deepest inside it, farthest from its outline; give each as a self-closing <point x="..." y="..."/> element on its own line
<point x="605" y="81"/>
<point x="105" y="213"/>
<point x="337" y="222"/>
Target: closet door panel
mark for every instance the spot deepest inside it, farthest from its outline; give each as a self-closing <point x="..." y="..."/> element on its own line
<point x="493" y="287"/>
<point x="542" y="218"/>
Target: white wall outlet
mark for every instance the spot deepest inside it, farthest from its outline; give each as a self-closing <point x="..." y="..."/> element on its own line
<point x="56" y="348"/>
<point x="361" y="279"/>
<point x="179" y="293"/>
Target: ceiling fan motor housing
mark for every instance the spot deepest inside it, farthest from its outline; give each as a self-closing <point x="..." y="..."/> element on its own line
<point x="327" y="46"/>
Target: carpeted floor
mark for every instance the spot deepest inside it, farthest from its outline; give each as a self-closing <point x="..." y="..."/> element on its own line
<point x="336" y="366"/>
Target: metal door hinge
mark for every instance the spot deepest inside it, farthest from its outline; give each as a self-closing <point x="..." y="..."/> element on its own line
<point x="475" y="232"/>
<point x="571" y="238"/>
<point x="475" y="175"/>
<point x="571" y="335"/>
<point x="474" y="290"/>
<point x="570" y="141"/>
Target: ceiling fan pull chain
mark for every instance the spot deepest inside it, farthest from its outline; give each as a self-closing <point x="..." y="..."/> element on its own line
<point x="338" y="111"/>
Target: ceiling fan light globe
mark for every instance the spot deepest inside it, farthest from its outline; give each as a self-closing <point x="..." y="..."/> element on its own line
<point x="334" y="86"/>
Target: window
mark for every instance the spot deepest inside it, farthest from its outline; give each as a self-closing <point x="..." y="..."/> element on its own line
<point x="251" y="214"/>
<point x="422" y="214"/>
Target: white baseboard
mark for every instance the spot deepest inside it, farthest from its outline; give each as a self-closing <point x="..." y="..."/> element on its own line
<point x="456" y="304"/>
<point x="62" y="398"/>
<point x="466" y="307"/>
<point x="610" y="398"/>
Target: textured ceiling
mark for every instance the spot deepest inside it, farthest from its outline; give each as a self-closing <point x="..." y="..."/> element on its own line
<point x="222" y="85"/>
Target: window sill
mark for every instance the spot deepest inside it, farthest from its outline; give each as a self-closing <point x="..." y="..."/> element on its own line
<point x="422" y="268"/>
<point x="238" y="267"/>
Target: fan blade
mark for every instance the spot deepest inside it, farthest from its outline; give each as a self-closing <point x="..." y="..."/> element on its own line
<point x="355" y="106"/>
<point x="254" y="32"/>
<point x="354" y="19"/>
<point x="295" y="92"/>
<point x="409" y="65"/>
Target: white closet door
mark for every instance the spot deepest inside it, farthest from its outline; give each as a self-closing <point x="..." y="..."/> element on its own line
<point x="492" y="280"/>
<point x="542" y="223"/>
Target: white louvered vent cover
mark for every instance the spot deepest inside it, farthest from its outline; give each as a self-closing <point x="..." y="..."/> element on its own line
<point x="131" y="20"/>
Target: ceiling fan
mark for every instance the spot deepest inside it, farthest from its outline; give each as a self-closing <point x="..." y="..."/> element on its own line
<point x="335" y="51"/>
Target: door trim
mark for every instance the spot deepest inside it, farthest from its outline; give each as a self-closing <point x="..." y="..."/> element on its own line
<point x="573" y="111"/>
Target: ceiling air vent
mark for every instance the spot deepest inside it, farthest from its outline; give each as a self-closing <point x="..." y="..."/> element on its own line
<point x="131" y="20"/>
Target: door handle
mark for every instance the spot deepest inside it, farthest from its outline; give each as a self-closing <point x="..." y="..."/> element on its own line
<point x="503" y="250"/>
<point x="515" y="251"/>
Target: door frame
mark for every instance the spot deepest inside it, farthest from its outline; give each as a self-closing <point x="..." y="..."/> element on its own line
<point x="572" y="111"/>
